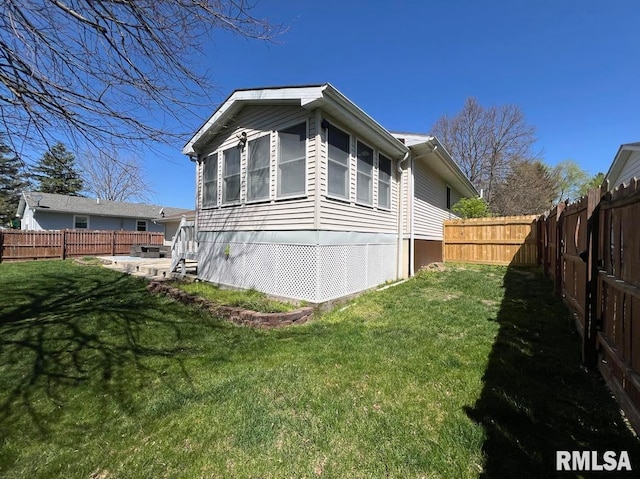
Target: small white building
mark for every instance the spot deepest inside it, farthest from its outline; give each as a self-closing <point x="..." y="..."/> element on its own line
<point x="301" y="194"/>
<point x="625" y="166"/>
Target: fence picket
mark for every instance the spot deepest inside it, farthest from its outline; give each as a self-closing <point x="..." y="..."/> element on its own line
<point x="16" y="245"/>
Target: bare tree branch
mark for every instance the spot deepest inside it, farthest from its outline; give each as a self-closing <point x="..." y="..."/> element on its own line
<point x="108" y="177"/>
<point x="102" y="70"/>
<point x="486" y="142"/>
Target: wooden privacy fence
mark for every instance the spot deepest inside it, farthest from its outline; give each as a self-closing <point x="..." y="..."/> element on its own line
<point x="506" y="240"/>
<point x="16" y="245"/>
<point x="591" y="250"/>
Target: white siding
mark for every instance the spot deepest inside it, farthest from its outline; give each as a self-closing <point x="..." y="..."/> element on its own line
<point x="430" y="208"/>
<point x="630" y="170"/>
<point x="342" y="215"/>
<point x="274" y="214"/>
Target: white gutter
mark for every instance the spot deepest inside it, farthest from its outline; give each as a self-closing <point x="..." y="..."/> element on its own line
<point x="400" y="225"/>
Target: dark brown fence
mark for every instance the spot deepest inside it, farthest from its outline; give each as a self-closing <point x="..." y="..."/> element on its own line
<point x="17" y="245"/>
<point x="591" y="250"/>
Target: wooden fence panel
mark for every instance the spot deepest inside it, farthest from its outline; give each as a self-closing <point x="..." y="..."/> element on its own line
<point x="24" y="245"/>
<point x="505" y="240"/>
<point x="18" y="245"/>
<point x="573" y="266"/>
<point x="599" y="277"/>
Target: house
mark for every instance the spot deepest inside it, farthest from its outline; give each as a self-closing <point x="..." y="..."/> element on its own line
<point x="48" y="211"/>
<point x="625" y="166"/>
<point x="303" y="195"/>
<point x="172" y="223"/>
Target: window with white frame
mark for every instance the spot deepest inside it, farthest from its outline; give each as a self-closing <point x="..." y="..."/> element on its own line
<point x="231" y="176"/>
<point x="141" y="225"/>
<point x="384" y="182"/>
<point x="292" y="153"/>
<point x="210" y="183"/>
<point x="80" y="222"/>
<point x="258" y="169"/>
<point x="364" y="180"/>
<point x="338" y="166"/>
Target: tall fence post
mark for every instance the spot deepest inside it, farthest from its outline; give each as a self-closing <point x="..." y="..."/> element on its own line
<point x="63" y="245"/>
<point x="589" y="343"/>
<point x="559" y="248"/>
<point x="113" y="243"/>
<point x="1" y="245"/>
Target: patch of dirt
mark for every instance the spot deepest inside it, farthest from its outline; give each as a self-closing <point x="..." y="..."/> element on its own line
<point x="436" y="267"/>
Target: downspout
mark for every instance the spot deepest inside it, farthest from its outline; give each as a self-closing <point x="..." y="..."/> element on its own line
<point x="400" y="225"/>
<point x="412" y="248"/>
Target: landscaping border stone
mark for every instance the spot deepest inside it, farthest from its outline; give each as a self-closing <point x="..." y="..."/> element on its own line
<point x="234" y="314"/>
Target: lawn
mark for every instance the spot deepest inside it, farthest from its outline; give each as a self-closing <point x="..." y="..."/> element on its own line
<point x="470" y="372"/>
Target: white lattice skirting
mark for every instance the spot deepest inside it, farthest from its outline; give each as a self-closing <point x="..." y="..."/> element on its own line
<point x="311" y="272"/>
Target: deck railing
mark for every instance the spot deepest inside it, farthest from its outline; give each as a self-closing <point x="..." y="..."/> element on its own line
<point x="185" y="246"/>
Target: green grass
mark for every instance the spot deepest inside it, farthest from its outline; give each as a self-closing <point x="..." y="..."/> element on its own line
<point x="471" y="372"/>
<point x="248" y="299"/>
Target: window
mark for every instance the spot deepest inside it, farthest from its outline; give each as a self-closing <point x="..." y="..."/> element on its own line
<point x="365" y="174"/>
<point x="338" y="174"/>
<point x="231" y="176"/>
<point x="141" y="225"/>
<point x="210" y="193"/>
<point x="384" y="182"/>
<point x="258" y="169"/>
<point x="292" y="154"/>
<point x="80" y="222"/>
<point x="448" y="197"/>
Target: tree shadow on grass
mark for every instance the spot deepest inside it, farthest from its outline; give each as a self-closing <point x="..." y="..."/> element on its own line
<point x="537" y="399"/>
<point x="60" y="331"/>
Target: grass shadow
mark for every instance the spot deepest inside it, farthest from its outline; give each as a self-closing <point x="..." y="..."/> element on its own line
<point x="536" y="398"/>
<point x="63" y="327"/>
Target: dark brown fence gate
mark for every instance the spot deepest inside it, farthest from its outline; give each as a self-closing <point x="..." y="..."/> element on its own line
<point x="591" y="250"/>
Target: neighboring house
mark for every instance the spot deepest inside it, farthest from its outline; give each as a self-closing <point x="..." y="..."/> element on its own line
<point x="172" y="222"/>
<point x="301" y="194"/>
<point x="625" y="166"/>
<point x="47" y="211"/>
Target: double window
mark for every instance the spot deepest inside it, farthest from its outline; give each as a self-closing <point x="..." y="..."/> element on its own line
<point x="338" y="167"/>
<point x="292" y="153"/>
<point x="258" y="169"/>
<point x="141" y="225"/>
<point x="210" y="193"/>
<point x="80" y="222"/>
<point x="231" y="176"/>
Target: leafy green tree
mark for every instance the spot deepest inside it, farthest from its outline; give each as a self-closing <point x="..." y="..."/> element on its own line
<point x="571" y="179"/>
<point x="595" y="181"/>
<point x="13" y="181"/>
<point x="471" y="208"/>
<point x="56" y="172"/>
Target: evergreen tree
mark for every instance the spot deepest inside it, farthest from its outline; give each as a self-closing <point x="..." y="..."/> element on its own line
<point x="12" y="182"/>
<point x="56" y="172"/>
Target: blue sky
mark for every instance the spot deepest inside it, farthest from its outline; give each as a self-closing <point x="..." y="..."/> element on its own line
<point x="572" y="66"/>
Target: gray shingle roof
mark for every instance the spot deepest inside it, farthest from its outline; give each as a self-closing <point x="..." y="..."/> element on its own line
<point x="91" y="206"/>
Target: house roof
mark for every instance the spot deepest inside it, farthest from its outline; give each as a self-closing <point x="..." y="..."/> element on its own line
<point x="620" y="161"/>
<point x="436" y="156"/>
<point x="91" y="206"/>
<point x="309" y="97"/>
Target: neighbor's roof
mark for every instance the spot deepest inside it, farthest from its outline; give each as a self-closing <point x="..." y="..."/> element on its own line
<point x="309" y="97"/>
<point x="92" y="206"/>
<point x="619" y="162"/>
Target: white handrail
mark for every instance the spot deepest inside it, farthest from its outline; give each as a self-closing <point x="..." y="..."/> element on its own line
<point x="184" y="245"/>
